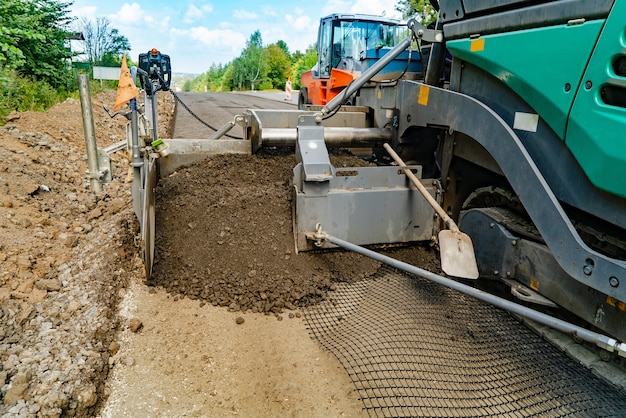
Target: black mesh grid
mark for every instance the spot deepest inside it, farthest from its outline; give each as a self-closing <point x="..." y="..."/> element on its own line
<point x="415" y="348"/>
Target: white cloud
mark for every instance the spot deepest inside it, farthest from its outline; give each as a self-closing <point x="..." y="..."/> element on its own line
<point x="218" y="38"/>
<point x="299" y="23"/>
<point x="129" y="14"/>
<point x="269" y="11"/>
<point x="194" y="13"/>
<point x="245" y="15"/>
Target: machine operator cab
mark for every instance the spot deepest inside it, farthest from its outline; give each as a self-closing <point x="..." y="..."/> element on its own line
<point x="348" y="44"/>
<point x="345" y="39"/>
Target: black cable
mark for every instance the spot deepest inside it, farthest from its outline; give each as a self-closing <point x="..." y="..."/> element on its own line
<point x="198" y="118"/>
<point x="163" y="83"/>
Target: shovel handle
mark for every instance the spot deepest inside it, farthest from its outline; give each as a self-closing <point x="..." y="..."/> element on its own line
<point x="431" y="200"/>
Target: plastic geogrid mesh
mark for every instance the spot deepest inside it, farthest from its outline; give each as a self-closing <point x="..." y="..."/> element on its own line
<point x="415" y="348"/>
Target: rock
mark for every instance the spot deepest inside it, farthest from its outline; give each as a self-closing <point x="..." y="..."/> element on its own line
<point x="53" y="403"/>
<point x="17" y="389"/>
<point x="13" y="116"/>
<point x="114" y="347"/>
<point x="18" y="295"/>
<point x="24" y="261"/>
<point x="240" y="320"/>
<point x="116" y="205"/>
<point x="37" y="295"/>
<point x="6" y="202"/>
<point x="5" y="294"/>
<point x="135" y="325"/>
<point x="50" y="285"/>
<point x="94" y="214"/>
<point x="87" y="396"/>
<point x="73" y="306"/>
<point x="69" y="240"/>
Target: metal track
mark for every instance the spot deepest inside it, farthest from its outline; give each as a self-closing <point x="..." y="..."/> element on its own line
<point x="415" y="348"/>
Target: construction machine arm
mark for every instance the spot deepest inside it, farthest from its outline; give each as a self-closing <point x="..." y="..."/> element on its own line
<point x="417" y="30"/>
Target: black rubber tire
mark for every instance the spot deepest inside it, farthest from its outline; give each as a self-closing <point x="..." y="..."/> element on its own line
<point x="303" y="98"/>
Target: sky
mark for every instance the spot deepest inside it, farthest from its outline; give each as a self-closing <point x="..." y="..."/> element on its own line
<point x="196" y="33"/>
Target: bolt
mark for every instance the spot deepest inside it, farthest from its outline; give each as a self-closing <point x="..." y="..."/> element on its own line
<point x="614" y="281"/>
<point x="588" y="84"/>
<point x="604" y="355"/>
<point x="495" y="272"/>
<point x="492" y="225"/>
<point x="514" y="242"/>
<point x="568" y="87"/>
<point x="508" y="274"/>
<point x="587" y="270"/>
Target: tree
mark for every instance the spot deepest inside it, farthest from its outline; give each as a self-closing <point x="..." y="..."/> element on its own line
<point x="250" y="68"/>
<point x="278" y="65"/>
<point x="304" y="63"/>
<point x="423" y="9"/>
<point x="33" y="38"/>
<point x="103" y="44"/>
<point x="283" y="45"/>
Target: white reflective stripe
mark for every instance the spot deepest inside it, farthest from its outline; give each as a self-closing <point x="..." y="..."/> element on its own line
<point x="526" y="121"/>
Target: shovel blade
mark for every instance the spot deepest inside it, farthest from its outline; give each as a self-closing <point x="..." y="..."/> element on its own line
<point x="457" y="254"/>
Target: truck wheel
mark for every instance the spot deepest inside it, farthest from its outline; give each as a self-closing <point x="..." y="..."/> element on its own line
<point x="303" y="99"/>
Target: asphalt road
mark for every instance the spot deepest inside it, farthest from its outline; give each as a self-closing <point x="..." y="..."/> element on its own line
<point x="217" y="109"/>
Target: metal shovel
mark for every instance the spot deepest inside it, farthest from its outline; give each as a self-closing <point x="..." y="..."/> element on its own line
<point x="456" y="248"/>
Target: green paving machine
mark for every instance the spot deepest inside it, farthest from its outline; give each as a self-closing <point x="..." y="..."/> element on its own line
<point x="509" y="153"/>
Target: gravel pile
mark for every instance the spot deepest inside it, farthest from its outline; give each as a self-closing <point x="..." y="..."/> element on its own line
<point x="65" y="254"/>
<point x="224" y="236"/>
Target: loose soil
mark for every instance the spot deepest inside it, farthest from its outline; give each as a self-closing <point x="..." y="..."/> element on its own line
<point x="225" y="237"/>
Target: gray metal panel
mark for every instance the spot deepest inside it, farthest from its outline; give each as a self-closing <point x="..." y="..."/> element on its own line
<point x="183" y="152"/>
<point x="311" y="150"/>
<point x="458" y="112"/>
<point x="364" y="205"/>
<point x="450" y="10"/>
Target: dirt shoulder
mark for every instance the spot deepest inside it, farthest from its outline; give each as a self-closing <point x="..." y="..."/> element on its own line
<point x="195" y="361"/>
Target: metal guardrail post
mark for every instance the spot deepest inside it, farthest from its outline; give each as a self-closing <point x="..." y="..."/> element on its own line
<point x="95" y="180"/>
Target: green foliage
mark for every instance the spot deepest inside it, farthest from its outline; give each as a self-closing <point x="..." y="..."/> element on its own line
<point x="33" y="40"/>
<point x="35" y="54"/>
<point x="23" y="93"/>
<point x="304" y="63"/>
<point x="421" y="9"/>
<point x="250" y="68"/>
<point x="278" y="65"/>
<point x="258" y="68"/>
<point x="209" y="81"/>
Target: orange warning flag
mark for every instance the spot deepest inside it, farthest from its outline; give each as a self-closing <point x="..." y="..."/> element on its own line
<point x="126" y="88"/>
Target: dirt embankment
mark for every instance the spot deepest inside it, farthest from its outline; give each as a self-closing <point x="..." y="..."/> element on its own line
<point x="64" y="253"/>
